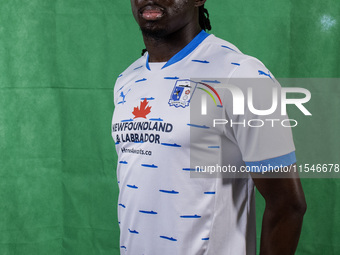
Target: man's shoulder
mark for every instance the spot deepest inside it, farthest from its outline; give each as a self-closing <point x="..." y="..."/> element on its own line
<point x="228" y="56"/>
<point x="221" y="44"/>
<point x="137" y="64"/>
<point x="132" y="71"/>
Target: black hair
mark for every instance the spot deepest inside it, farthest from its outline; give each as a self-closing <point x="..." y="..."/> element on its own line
<point x="203" y="20"/>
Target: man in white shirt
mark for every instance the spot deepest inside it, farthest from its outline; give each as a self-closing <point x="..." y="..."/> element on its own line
<point x="161" y="209"/>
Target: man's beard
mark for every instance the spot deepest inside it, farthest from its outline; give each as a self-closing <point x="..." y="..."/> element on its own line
<point x="156" y="34"/>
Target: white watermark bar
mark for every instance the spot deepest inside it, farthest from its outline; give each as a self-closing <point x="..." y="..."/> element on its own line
<point x="262" y="127"/>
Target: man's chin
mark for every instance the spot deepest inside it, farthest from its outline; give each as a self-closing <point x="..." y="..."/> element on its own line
<point x="153" y="32"/>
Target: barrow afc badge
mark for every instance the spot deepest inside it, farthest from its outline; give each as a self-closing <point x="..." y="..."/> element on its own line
<point x="182" y="93"/>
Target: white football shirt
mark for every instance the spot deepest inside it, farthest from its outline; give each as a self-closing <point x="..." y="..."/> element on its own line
<point x="162" y="209"/>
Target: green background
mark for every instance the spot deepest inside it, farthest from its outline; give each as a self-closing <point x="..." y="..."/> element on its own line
<point x="59" y="60"/>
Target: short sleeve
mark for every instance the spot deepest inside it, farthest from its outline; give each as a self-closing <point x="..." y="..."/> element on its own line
<point x="262" y="133"/>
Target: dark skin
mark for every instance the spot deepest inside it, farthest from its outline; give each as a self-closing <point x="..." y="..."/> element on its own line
<point x="283" y="215"/>
<point x="167" y="27"/>
<point x="166" y="36"/>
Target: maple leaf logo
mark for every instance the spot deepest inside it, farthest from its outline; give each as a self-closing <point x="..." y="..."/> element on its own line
<point x="142" y="110"/>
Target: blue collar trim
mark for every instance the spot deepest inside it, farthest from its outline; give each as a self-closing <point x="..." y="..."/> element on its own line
<point x="147" y="62"/>
<point x="185" y="51"/>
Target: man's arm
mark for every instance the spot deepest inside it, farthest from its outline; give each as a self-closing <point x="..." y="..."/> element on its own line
<point x="283" y="215"/>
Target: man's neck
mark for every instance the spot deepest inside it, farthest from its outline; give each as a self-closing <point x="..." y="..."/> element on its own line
<point x="162" y="49"/>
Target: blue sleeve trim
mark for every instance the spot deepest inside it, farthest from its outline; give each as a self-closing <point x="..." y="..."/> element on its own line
<point x="272" y="163"/>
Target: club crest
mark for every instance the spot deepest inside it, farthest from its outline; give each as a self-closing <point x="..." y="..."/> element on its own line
<point x="182" y="93"/>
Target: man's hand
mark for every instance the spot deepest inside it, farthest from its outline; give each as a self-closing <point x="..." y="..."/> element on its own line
<point x="283" y="215"/>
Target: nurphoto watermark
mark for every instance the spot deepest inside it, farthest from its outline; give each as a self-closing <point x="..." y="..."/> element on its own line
<point x="244" y="127"/>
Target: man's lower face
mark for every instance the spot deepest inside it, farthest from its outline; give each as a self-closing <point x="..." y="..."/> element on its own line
<point x="157" y="18"/>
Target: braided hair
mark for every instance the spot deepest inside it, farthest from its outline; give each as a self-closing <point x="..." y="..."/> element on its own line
<point x="203" y="20"/>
